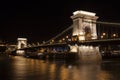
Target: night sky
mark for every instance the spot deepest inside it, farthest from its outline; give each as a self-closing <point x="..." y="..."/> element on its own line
<point x="42" y="20"/>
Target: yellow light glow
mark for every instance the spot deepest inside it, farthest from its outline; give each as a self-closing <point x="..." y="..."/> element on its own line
<point x="84" y="12"/>
<point x="60" y="40"/>
<point x="63" y="39"/>
<point x="104" y="34"/>
<point x="52" y="40"/>
<point x="101" y="36"/>
<point x="114" y="35"/>
<point x="66" y="36"/>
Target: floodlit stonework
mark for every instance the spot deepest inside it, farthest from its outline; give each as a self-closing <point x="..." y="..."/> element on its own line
<point x="84" y="27"/>
<point x="22" y="42"/>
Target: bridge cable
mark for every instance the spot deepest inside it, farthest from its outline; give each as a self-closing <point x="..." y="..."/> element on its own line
<point x="60" y="34"/>
<point x="99" y="22"/>
<point x="109" y="23"/>
<point x="102" y="22"/>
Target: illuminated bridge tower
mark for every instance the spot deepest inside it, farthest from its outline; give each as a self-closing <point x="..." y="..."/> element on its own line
<point x="22" y="43"/>
<point x="84" y="27"/>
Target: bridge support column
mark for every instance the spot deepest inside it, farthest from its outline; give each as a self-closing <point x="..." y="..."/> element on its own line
<point x="87" y="53"/>
<point x="84" y="27"/>
<point x="22" y="43"/>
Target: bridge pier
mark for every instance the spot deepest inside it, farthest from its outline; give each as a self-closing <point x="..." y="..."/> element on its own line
<point x="87" y="53"/>
<point x="84" y="27"/>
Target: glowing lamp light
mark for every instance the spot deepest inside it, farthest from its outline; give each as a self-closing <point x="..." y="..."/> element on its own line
<point x="63" y="39"/>
<point x="66" y="36"/>
<point x="84" y="12"/>
<point x="52" y="40"/>
<point x="101" y="36"/>
<point x="60" y="40"/>
<point x="114" y="35"/>
<point x="104" y="34"/>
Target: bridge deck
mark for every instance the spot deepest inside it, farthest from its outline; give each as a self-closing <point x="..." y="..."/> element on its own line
<point x="87" y="42"/>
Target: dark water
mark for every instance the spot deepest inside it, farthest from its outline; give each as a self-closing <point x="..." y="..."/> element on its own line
<point x="19" y="68"/>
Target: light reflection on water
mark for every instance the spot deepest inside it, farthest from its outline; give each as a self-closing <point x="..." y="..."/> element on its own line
<point x="19" y="68"/>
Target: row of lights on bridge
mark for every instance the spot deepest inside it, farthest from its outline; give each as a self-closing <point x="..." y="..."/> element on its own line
<point x="67" y="38"/>
<point x="52" y="41"/>
<point x="75" y="38"/>
<point x="62" y="40"/>
<point x="105" y="35"/>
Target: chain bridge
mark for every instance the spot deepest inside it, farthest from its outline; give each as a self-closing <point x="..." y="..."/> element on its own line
<point x="86" y="37"/>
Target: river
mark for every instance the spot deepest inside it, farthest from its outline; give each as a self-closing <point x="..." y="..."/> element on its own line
<point x="20" y="68"/>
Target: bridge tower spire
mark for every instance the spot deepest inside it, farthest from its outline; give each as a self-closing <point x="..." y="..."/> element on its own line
<point x="84" y="25"/>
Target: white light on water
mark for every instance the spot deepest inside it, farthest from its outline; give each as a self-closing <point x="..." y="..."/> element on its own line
<point x="84" y="12"/>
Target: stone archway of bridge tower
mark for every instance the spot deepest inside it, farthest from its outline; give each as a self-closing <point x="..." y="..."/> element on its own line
<point x="88" y="32"/>
<point x="89" y="29"/>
